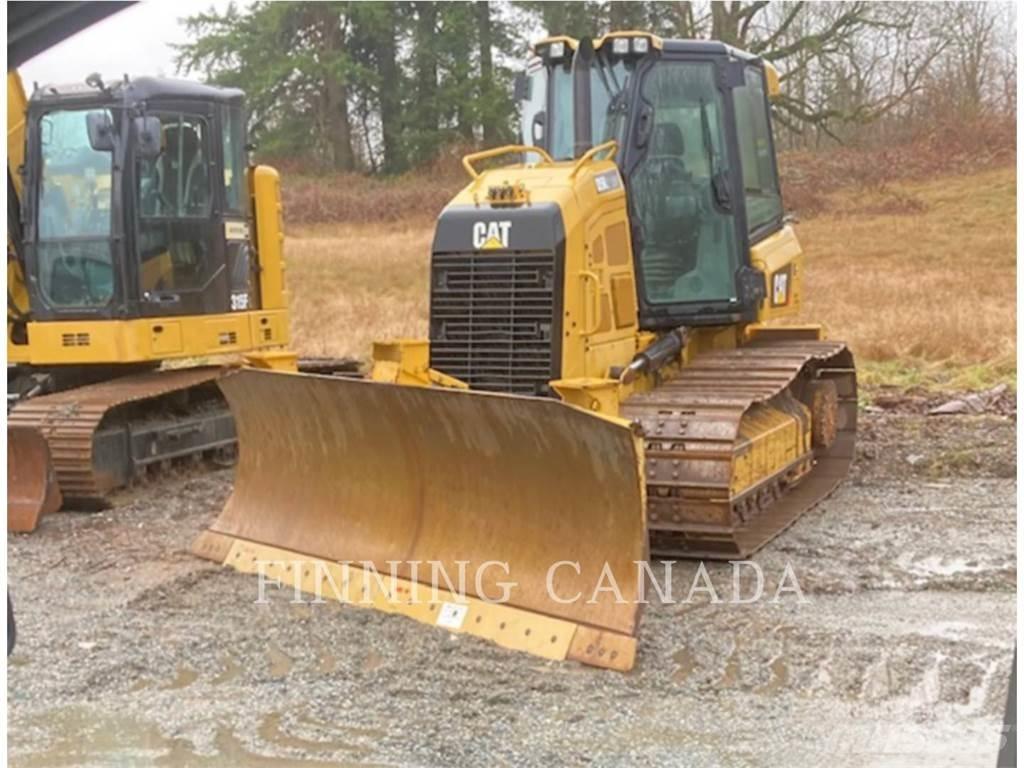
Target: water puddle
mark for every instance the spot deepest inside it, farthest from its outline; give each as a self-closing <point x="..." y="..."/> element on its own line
<point x="183" y="679"/>
<point x="779" y="679"/>
<point x="78" y="738"/>
<point x="684" y="658"/>
<point x="280" y="662"/>
<point x="327" y="664"/>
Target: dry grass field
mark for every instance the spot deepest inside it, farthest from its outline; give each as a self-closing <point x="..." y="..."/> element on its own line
<point x="919" y="276"/>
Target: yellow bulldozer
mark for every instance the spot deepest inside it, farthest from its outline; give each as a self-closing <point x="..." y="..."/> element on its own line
<point x="605" y="376"/>
<point x="138" y="234"/>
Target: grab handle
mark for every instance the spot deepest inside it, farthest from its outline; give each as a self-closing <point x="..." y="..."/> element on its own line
<point x="612" y="147"/>
<point x="468" y="160"/>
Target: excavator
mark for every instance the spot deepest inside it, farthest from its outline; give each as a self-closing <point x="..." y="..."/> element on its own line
<point x="140" y="241"/>
<point x="613" y="372"/>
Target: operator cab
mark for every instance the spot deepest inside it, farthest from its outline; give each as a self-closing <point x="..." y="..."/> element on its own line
<point x="135" y="202"/>
<point x="691" y="119"/>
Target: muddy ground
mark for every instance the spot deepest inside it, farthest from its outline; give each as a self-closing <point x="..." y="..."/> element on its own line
<point x="132" y="652"/>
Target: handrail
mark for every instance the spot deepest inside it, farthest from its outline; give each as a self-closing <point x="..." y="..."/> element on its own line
<point x="611" y="146"/>
<point x="468" y="160"/>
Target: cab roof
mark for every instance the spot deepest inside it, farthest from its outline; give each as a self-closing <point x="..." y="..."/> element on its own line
<point x="140" y="89"/>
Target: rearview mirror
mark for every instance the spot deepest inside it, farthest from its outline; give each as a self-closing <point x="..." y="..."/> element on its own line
<point x="101" y="131"/>
<point x="147" y="137"/>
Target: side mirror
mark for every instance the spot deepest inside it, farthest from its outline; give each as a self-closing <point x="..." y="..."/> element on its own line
<point x="537" y="128"/>
<point x="521" y="88"/>
<point x="147" y="137"/>
<point x="101" y="131"/>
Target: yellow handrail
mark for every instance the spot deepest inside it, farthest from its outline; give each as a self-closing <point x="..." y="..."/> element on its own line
<point x="611" y="146"/>
<point x="468" y="160"/>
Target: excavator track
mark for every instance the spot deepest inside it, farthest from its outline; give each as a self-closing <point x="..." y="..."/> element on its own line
<point x="742" y="442"/>
<point x="102" y="436"/>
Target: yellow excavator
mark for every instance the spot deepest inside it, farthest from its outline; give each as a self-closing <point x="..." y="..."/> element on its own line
<point x="605" y="378"/>
<point x="137" y="234"/>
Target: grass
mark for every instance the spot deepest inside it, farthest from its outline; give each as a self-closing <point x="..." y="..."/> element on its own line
<point x="919" y="277"/>
<point x="352" y="284"/>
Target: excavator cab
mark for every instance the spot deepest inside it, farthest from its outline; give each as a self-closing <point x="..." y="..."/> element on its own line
<point x="135" y="202"/>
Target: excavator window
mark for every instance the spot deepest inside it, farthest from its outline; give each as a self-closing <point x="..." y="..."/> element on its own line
<point x="234" y="160"/>
<point x="74" y="213"/>
<point x="680" y="190"/>
<point x="175" y="183"/>
<point x="174" y="193"/>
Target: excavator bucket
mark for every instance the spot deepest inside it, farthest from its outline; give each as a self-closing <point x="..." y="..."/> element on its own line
<point x="32" y="489"/>
<point x="520" y="520"/>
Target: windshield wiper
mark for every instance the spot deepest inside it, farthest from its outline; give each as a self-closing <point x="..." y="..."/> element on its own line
<point x="719" y="179"/>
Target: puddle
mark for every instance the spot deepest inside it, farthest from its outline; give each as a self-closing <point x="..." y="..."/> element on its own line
<point x="77" y="738"/>
<point x="372" y="661"/>
<point x="271" y="732"/>
<point x="684" y="658"/>
<point x="779" y="679"/>
<point x="731" y="673"/>
<point x="280" y="662"/>
<point x="183" y="679"/>
<point x="327" y="663"/>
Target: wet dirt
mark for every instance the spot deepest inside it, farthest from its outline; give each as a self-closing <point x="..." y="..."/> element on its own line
<point x="133" y="652"/>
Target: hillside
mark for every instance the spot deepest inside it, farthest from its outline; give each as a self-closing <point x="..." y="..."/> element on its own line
<point x="918" y="275"/>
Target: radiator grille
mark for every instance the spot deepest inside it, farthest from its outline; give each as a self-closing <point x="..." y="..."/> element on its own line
<point x="492" y="319"/>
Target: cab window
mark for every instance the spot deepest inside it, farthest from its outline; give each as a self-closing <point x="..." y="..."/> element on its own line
<point x="760" y="182"/>
<point x="175" y="205"/>
<point x="176" y="183"/>
<point x="680" y="189"/>
<point x="233" y="147"/>
<point x="74" y="214"/>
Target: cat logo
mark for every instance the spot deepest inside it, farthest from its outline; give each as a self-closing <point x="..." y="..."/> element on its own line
<point x="488" y="235"/>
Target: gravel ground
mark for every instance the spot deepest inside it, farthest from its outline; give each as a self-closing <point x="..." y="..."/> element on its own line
<point x="133" y="652"/>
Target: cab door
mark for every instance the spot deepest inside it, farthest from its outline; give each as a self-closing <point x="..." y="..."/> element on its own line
<point x="179" y="243"/>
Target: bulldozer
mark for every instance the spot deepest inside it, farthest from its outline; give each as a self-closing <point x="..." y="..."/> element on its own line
<point x="139" y="238"/>
<point x="613" y="371"/>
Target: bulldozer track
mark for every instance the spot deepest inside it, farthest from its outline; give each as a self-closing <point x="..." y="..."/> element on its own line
<point x="69" y="421"/>
<point x="691" y="426"/>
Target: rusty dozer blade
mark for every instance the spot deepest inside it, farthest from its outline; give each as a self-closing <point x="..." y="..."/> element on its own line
<point x="334" y="471"/>
<point x="32" y="489"/>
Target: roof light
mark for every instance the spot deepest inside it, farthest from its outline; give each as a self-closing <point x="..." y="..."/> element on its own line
<point x="620" y="46"/>
<point x="556" y="50"/>
<point x="641" y="44"/>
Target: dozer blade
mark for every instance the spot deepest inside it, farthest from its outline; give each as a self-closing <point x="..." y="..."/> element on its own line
<point x="32" y="489"/>
<point x="344" y="471"/>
